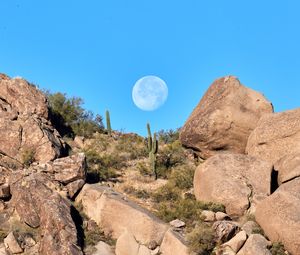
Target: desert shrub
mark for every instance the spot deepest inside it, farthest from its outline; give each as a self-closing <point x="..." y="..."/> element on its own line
<point x="139" y="193"/>
<point x="167" y="193"/>
<point x="3" y="234"/>
<point x="169" y="156"/>
<point x="27" y="156"/>
<point x="277" y="249"/>
<point x="258" y="230"/>
<point x="187" y="210"/>
<point x="92" y="237"/>
<point x="184" y="209"/>
<point x="168" y="136"/>
<point x="143" y="169"/>
<point x="182" y="176"/>
<point x="100" y="143"/>
<point x="102" y="167"/>
<point x="133" y="145"/>
<point x="69" y="117"/>
<point x="201" y="239"/>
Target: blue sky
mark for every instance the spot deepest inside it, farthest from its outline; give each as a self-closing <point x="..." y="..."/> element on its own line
<point x="98" y="49"/>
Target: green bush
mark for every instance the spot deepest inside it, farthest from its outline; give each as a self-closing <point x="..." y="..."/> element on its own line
<point x="133" y="145"/>
<point x="182" y="177"/>
<point x="277" y="249"/>
<point x="92" y="237"/>
<point x="28" y="157"/>
<point x="69" y="117"/>
<point x="143" y="169"/>
<point x="139" y="193"/>
<point x="184" y="209"/>
<point x="3" y="234"/>
<point x="168" y="136"/>
<point x="167" y="193"/>
<point x="168" y="157"/>
<point x="201" y="239"/>
<point x="102" y="167"/>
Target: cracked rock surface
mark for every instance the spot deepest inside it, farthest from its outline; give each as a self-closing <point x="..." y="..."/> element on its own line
<point x="233" y="180"/>
<point x="24" y="125"/>
<point x="275" y="136"/>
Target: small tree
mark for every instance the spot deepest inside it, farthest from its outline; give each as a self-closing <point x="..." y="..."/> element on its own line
<point x="70" y="118"/>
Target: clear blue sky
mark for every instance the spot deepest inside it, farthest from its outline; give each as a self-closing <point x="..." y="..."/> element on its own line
<point x="98" y="49"/>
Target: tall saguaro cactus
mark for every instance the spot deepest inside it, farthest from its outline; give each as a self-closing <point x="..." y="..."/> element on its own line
<point x="108" y="125"/>
<point x="152" y="149"/>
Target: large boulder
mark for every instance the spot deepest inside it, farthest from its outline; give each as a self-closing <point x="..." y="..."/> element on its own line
<point x="115" y="214"/>
<point x="275" y="136"/>
<point x="256" y="244"/>
<point x="174" y="244"/>
<point x="38" y="205"/>
<point x="25" y="131"/>
<point x="288" y="168"/>
<point x="279" y="215"/>
<point x="234" y="180"/>
<point x="224" y="118"/>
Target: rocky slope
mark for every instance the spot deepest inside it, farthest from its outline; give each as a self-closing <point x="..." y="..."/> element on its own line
<point x="102" y="200"/>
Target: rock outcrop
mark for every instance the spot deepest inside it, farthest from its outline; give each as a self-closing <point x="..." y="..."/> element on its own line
<point x="39" y="206"/>
<point x="275" y="136"/>
<point x="115" y="214"/>
<point x="279" y="216"/>
<point x="25" y="131"/>
<point x="234" y="180"/>
<point x="224" y="118"/>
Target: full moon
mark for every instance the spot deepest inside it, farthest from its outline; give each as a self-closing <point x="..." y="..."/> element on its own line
<point x="149" y="93"/>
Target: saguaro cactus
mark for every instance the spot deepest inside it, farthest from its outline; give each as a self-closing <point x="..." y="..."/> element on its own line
<point x="152" y="149"/>
<point x="108" y="126"/>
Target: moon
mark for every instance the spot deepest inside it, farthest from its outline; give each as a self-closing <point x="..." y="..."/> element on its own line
<point x="149" y="93"/>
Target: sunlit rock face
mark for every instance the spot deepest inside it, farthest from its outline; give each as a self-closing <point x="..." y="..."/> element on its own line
<point x="25" y="130"/>
<point x="224" y="118"/>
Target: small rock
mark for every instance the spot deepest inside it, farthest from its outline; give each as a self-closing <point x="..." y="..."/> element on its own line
<point x="28" y="241"/>
<point x="208" y="216"/>
<point x="143" y="250"/>
<point x="225" y="230"/>
<point x="70" y="169"/>
<point x="155" y="251"/>
<point x="12" y="244"/>
<point x="2" y="250"/>
<point x="177" y="223"/>
<point x="91" y="225"/>
<point x="74" y="187"/>
<point x="103" y="249"/>
<point x="249" y="226"/>
<point x="152" y="245"/>
<point x="222" y="216"/>
<point x="79" y="140"/>
<point x="237" y="241"/>
<point x="2" y="205"/>
<point x="4" y="191"/>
